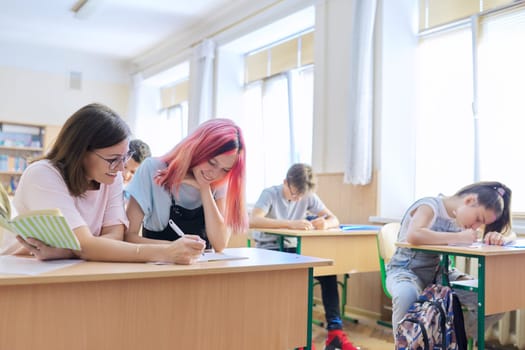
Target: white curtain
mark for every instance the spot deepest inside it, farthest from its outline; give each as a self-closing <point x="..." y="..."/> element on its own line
<point x="201" y="84"/>
<point x="358" y="160"/>
<point x="267" y="135"/>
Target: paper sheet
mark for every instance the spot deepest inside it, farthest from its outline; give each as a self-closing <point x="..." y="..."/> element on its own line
<point x="15" y="265"/>
<point x="212" y="256"/>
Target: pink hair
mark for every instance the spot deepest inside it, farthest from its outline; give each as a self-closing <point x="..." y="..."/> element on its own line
<point x="210" y="139"/>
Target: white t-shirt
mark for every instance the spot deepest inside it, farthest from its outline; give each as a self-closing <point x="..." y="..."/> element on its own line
<point x="42" y="187"/>
<point x="273" y="203"/>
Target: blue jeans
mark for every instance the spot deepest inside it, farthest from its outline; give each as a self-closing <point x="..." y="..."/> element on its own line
<point x="405" y="287"/>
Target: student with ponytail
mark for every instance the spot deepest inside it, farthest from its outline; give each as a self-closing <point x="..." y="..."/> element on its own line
<point x="480" y="210"/>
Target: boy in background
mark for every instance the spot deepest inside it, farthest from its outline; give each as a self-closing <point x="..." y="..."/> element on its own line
<point x="140" y="151"/>
<point x="287" y="206"/>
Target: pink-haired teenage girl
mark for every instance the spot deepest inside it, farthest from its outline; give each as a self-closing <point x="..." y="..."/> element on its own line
<point x="199" y="185"/>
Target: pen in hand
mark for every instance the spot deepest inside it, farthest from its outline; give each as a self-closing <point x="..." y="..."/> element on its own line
<point x="176" y="228"/>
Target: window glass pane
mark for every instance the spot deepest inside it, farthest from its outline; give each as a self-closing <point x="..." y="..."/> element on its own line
<point x="444" y="125"/>
<point x="490" y="4"/>
<point x="307" y="49"/>
<point x="251" y="125"/>
<point x="165" y="129"/>
<point x="276" y="129"/>
<point x="501" y="108"/>
<point x="283" y="56"/>
<point x="444" y="11"/>
<point x="302" y="119"/>
<point x="256" y="66"/>
<point x="267" y="135"/>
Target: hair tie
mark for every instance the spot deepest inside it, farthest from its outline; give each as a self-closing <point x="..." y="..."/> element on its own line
<point x="500" y="190"/>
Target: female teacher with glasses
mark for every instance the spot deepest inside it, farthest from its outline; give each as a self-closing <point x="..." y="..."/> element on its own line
<point x="81" y="176"/>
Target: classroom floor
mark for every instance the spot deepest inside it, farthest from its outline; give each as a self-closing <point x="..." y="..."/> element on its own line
<point x="365" y="334"/>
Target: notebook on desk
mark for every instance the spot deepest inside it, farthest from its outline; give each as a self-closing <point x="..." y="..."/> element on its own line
<point x="347" y="227"/>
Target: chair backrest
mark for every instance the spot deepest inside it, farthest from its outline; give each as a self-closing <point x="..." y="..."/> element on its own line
<point x="387" y="238"/>
<point x="386" y="246"/>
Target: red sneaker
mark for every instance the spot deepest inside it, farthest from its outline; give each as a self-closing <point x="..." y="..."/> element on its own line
<point x="337" y="340"/>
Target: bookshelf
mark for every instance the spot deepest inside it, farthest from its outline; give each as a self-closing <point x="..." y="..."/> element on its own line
<point x="19" y="144"/>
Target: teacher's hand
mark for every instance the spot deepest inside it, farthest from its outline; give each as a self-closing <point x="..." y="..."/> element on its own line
<point x="42" y="251"/>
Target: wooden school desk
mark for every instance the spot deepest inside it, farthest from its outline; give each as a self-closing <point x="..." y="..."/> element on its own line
<point x="352" y="251"/>
<point x="501" y="277"/>
<point x="256" y="303"/>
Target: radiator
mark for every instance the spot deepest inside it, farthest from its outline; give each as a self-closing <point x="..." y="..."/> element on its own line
<point x="510" y="330"/>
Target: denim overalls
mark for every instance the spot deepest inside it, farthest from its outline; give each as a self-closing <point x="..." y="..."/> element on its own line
<point x="409" y="271"/>
<point x="189" y="220"/>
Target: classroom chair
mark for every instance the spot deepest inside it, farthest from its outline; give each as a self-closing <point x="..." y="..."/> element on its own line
<point x="386" y="246"/>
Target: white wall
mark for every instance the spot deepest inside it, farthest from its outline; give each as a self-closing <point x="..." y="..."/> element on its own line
<point x="34" y="83"/>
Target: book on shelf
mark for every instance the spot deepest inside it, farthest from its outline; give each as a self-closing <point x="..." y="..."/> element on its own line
<point x="49" y="226"/>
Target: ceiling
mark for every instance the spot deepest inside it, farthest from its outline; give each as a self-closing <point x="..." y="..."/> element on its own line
<point x="121" y="29"/>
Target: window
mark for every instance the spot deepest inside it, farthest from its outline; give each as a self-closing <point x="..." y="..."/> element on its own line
<point x="445" y="134"/>
<point x="162" y="113"/>
<point x="458" y="143"/>
<point x="501" y="109"/>
<point x="278" y="99"/>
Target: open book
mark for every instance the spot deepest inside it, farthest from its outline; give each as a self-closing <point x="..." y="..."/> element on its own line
<point x="49" y="226"/>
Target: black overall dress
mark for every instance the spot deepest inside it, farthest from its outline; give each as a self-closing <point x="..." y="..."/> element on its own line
<point x="190" y="221"/>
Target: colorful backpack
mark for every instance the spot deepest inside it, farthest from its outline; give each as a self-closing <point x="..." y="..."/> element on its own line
<point x="434" y="321"/>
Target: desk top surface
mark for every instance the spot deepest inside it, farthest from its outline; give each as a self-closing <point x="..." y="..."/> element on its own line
<point x="474" y="249"/>
<point x="315" y="233"/>
<point x="254" y="260"/>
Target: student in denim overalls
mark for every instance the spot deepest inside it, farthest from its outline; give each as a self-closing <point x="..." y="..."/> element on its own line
<point x="199" y="185"/>
<point x="446" y="220"/>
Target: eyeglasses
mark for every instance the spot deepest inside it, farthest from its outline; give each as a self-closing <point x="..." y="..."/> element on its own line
<point x="115" y="162"/>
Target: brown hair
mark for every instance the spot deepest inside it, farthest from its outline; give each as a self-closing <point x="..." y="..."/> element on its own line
<point x="494" y="196"/>
<point x="92" y="127"/>
<point x="301" y="177"/>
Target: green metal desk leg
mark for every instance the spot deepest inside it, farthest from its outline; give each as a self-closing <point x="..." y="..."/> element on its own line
<point x="481" y="303"/>
<point x="310" y="307"/>
<point x="344" y="289"/>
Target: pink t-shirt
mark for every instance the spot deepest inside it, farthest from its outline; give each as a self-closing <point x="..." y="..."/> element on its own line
<point x="42" y="187"/>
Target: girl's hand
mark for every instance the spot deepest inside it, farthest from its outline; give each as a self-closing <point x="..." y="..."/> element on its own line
<point x="494" y="238"/>
<point x="468" y="236"/>
<point x="199" y="178"/>
<point x="186" y="250"/>
<point x="301" y="225"/>
<point x="42" y="251"/>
